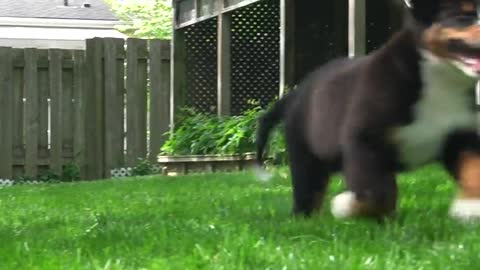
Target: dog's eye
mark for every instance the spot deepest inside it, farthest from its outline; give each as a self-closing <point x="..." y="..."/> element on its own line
<point x="459" y="20"/>
<point x="465" y="19"/>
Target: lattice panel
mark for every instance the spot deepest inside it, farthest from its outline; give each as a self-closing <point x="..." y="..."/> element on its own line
<point x="320" y="34"/>
<point x="255" y="54"/>
<point x="201" y="43"/>
<point x="383" y="19"/>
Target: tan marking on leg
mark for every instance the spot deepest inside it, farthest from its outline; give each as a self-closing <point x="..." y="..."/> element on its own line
<point x="467" y="204"/>
<point x="371" y="210"/>
<point x="363" y="209"/>
<point x="469" y="176"/>
<point x="345" y="205"/>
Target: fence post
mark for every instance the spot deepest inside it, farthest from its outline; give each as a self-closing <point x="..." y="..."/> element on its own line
<point x="18" y="108"/>
<point x="79" y="95"/>
<point x="114" y="103"/>
<point x="6" y="113"/>
<point x="159" y="95"/>
<point x="287" y="44"/>
<point x="356" y="27"/>
<point x="31" y="111"/>
<point x="136" y="100"/>
<point x="56" y="97"/>
<point x="67" y="111"/>
<point x="43" y="94"/>
<point x="94" y="104"/>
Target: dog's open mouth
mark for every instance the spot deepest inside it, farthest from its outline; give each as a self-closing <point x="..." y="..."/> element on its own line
<point x="471" y="62"/>
<point x="466" y="54"/>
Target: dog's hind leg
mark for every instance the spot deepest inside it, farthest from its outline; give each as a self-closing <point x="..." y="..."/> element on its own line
<point x="310" y="178"/>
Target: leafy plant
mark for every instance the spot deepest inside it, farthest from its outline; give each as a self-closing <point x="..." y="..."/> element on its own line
<point x="24" y="178"/>
<point x="71" y="172"/>
<point x="48" y="176"/>
<point x="200" y="133"/>
<point x="277" y="148"/>
<point x="144" y="167"/>
<point x="196" y="133"/>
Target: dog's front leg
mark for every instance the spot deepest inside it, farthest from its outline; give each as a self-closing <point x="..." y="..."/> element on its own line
<point x="370" y="178"/>
<point x="462" y="159"/>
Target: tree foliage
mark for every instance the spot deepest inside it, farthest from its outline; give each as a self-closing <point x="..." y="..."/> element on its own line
<point x="144" y="18"/>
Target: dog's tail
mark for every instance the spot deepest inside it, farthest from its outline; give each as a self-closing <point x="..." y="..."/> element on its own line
<point x="265" y="125"/>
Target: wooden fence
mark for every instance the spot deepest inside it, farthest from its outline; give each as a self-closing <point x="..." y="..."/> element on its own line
<point x="101" y="108"/>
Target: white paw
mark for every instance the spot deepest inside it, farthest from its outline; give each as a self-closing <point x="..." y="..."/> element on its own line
<point x="262" y="174"/>
<point x="465" y="209"/>
<point x="343" y="205"/>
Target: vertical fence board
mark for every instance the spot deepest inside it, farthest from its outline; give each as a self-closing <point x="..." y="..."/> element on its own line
<point x="18" y="109"/>
<point x="55" y="71"/>
<point x="43" y="96"/>
<point x="159" y="95"/>
<point x="95" y="110"/>
<point x="114" y="103"/>
<point x="136" y="100"/>
<point x="142" y="100"/>
<point x="31" y="112"/>
<point x="67" y="108"/>
<point x="6" y="111"/>
<point x="79" y="83"/>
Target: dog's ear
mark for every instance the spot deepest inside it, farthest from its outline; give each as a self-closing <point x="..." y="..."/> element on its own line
<point x="423" y="11"/>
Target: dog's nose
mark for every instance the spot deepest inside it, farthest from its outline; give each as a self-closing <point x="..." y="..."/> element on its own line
<point x="475" y="30"/>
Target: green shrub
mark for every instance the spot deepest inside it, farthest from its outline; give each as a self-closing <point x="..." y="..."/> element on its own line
<point x="277" y="148"/>
<point x="144" y="167"/>
<point x="200" y="133"/>
<point x="70" y="172"/>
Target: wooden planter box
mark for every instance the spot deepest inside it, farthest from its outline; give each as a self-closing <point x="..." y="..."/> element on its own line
<point x="176" y="165"/>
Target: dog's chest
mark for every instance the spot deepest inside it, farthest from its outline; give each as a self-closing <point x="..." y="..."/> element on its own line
<point x="442" y="108"/>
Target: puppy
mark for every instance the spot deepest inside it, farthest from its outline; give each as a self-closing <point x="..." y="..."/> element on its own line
<point x="409" y="103"/>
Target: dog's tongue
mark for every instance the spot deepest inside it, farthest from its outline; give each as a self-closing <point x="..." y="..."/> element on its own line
<point x="476" y="66"/>
<point x="473" y="63"/>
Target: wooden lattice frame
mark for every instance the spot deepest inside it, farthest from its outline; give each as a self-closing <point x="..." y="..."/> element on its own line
<point x="255" y="55"/>
<point x="192" y="12"/>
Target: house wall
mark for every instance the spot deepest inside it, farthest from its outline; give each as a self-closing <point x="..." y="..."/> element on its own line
<point x="53" y="33"/>
<point x="43" y="43"/>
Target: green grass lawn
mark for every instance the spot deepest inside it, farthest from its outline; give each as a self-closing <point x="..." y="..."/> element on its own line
<point x="224" y="221"/>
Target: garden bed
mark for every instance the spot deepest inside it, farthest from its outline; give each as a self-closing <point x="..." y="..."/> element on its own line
<point x="185" y="164"/>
